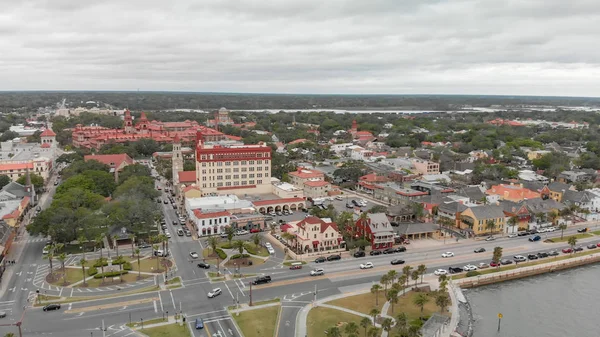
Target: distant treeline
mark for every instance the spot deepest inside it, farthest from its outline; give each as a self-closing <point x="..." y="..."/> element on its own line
<point x="31" y="100"/>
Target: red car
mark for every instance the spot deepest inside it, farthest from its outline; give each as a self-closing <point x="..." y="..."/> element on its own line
<point x="494" y="264"/>
<point x="296" y="267"/>
<point x="567" y="250"/>
<point x="254" y="230"/>
<point x="598" y="244"/>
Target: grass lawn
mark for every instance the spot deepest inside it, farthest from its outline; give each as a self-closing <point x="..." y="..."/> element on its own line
<point x="405" y="304"/>
<point x="73" y="275"/>
<point x="210" y="260"/>
<point x="530" y="263"/>
<point x="289" y="263"/>
<point x="110" y="281"/>
<point x="174" y="280"/>
<point x="259" y="322"/>
<point x="146" y="322"/>
<point x="256" y="250"/>
<point x="361" y="303"/>
<point x="320" y="319"/>
<point x="146" y="265"/>
<point x="566" y="237"/>
<point x="596" y="232"/>
<point x="168" y="330"/>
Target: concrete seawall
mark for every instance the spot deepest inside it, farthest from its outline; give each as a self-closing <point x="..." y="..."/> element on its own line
<point x="513" y="274"/>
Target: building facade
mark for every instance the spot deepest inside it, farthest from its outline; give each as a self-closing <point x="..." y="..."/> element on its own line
<point x="302" y="175"/>
<point x="376" y="228"/>
<point x="315" y="235"/>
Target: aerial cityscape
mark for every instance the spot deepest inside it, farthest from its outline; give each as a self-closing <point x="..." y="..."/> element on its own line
<point x="299" y="169"/>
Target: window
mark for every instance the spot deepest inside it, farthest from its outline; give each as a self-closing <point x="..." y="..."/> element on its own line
<point x="251" y="182"/>
<point x="227" y="170"/>
<point x="251" y="169"/>
<point x="203" y="164"/>
<point x="236" y="183"/>
<point x="227" y="177"/>
<point x="251" y="175"/>
<point x="219" y="177"/>
<point x="228" y="183"/>
<point x="266" y="168"/>
<point x="259" y="175"/>
<point x="244" y="169"/>
<point x="203" y="171"/>
<point x="236" y="170"/>
<point x="219" y="184"/>
<point x="243" y="162"/>
<point x="219" y="170"/>
<point x="244" y="182"/>
<point x="259" y="162"/>
<point x="236" y="163"/>
<point x="204" y="178"/>
<point x="314" y="236"/>
<point x="259" y="168"/>
<point x="227" y="163"/>
<point x="244" y="176"/>
<point x="220" y="163"/>
<point x="259" y="182"/>
<point x="236" y="176"/>
<point x="266" y="175"/>
<point x="251" y="162"/>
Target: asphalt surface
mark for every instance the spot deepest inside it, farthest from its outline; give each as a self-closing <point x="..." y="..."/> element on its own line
<point x="295" y="288"/>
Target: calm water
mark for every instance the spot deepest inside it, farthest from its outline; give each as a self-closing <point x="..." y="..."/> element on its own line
<point x="561" y="304"/>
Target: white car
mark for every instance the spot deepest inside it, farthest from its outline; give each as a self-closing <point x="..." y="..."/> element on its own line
<point x="439" y="272"/>
<point x="514" y="235"/>
<point x="551" y="229"/>
<point x="194" y="255"/>
<point x="469" y="267"/>
<point x="367" y="265"/>
<point x="168" y="234"/>
<point x="46" y="250"/>
<point x="316" y="272"/>
<point x="214" y="293"/>
<point x="448" y="254"/>
<point x="339" y="197"/>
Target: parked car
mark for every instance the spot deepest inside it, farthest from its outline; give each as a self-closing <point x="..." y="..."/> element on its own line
<point x="317" y="272"/>
<point x="339" y="197"/>
<point x="483" y="265"/>
<point x="479" y="250"/>
<point x="490" y="238"/>
<point x="578" y="248"/>
<point x="532" y="257"/>
<point x="542" y="255"/>
<point x="454" y="270"/>
<point x="520" y="258"/>
<point x="262" y="280"/>
<point x="203" y="265"/>
<point x="375" y="252"/>
<point x="567" y="250"/>
<point x="367" y="265"/>
<point x="400" y="249"/>
<point x="349" y="206"/>
<point x="494" y="264"/>
<point x="254" y="230"/>
<point x="513" y="235"/>
<point x="187" y="232"/>
<point x="320" y="259"/>
<point x="448" y="254"/>
<point x="360" y="253"/>
<point x="505" y="261"/>
<point x="199" y="324"/>
<point x="591" y="246"/>
<point x="439" y="272"/>
<point x="296" y="265"/>
<point x="397" y="261"/>
<point x="334" y="257"/>
<point x="389" y="250"/>
<point x="535" y="238"/>
<point x="52" y="306"/>
<point x="469" y="267"/>
<point x="2" y="314"/>
<point x="214" y="293"/>
<point x="193" y="255"/>
<point x="582" y="230"/>
<point x="552" y="253"/>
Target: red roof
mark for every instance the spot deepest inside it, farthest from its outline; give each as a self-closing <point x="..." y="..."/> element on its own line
<point x="306" y="173"/>
<point x="317" y="183"/>
<point x="191" y="187"/>
<point x="187" y="176"/>
<point x="298" y="141"/>
<point x="315" y="242"/>
<point x="198" y="213"/>
<point x="12" y="215"/>
<point x="285" y="227"/>
<point x="112" y="160"/>
<point x="48" y="133"/>
<point x="313" y="220"/>
<point x="277" y="201"/>
<point x="25" y="202"/>
<point x="45" y="145"/>
<point x="17" y="166"/>
<point x="373" y="178"/>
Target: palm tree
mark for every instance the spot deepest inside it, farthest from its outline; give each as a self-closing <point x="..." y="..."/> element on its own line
<point x="137" y="252"/>
<point x="553" y="216"/>
<point x="62" y="257"/>
<point x="351" y="328"/>
<point x="401" y="322"/>
<point x="239" y="245"/>
<point x="374" y="332"/>
<point x="119" y="257"/>
<point x="392" y="274"/>
<point x="420" y="300"/>
<point x="385" y="280"/>
<point x="50" y="256"/>
<point x="163" y="239"/>
<point x="415" y="276"/>
<point x="81" y="240"/>
<point x="406" y="271"/>
<point x="58" y="247"/>
<point x="365" y="323"/>
<point x="132" y="239"/>
<point x="155" y="247"/>
<point x="333" y="332"/>
<point x="540" y="217"/>
<point x="83" y="262"/>
<point x="99" y="242"/>
<point x="213" y="242"/>
<point x="562" y="228"/>
<point x="497" y="256"/>
<point x="373" y="313"/>
<point x="9" y="334"/>
<point x="115" y="238"/>
<point x="392" y="297"/>
<point x="442" y="300"/>
<point x="230" y="232"/>
<point x="513" y="221"/>
<point x="375" y="290"/>
<point x="256" y="239"/>
<point x="386" y="325"/>
<point x="422" y="269"/>
<point x="490" y="224"/>
<point x="403" y="280"/>
<point x="572" y="242"/>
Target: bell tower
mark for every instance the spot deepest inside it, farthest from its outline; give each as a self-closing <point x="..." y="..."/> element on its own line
<point x="177" y="162"/>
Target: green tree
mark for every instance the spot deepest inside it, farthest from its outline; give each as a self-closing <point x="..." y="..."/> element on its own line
<point x="365" y="323"/>
<point x="386" y="325"/>
<point x="420" y="300"/>
<point x="239" y="245"/>
<point x="497" y="255"/>
<point x="422" y="269"/>
<point x="62" y="257"/>
<point x="513" y="221"/>
<point x="562" y="228"/>
<point x="572" y="241"/>
<point x="132" y="240"/>
<point x="385" y="280"/>
<point x="213" y="242"/>
<point x="82" y="263"/>
<point x="393" y="275"/>
<point x="415" y="276"/>
<point x="392" y="297"/>
<point x="402" y="323"/>
<point x="442" y="300"/>
<point x="155" y="248"/>
<point x="373" y="313"/>
<point x="36" y="180"/>
<point x="351" y="328"/>
<point x="406" y="270"/>
<point x="333" y="332"/>
<point x="374" y="332"/>
<point x="135" y="170"/>
<point x="375" y="289"/>
<point x="256" y="239"/>
<point x="4" y="180"/>
<point x="490" y="224"/>
<point x="230" y="231"/>
<point x="137" y="252"/>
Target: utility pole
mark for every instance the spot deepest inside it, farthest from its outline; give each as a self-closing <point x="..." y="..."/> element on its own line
<point x="250" y="294"/>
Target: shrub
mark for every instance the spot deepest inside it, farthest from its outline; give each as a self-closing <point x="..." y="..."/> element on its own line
<point x="239" y="256"/>
<point x="111" y="274"/>
<point x="221" y="253"/>
<point x="127" y="266"/>
<point x="251" y="249"/>
<point x="226" y="246"/>
<point x="119" y="261"/>
<point x="92" y="271"/>
<point x="472" y="273"/>
<point x="98" y="264"/>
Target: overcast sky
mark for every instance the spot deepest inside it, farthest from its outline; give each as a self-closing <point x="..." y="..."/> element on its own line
<point x="516" y="47"/>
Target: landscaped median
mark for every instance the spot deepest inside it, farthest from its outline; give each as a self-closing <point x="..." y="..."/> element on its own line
<point x="258" y="321"/>
<point x="167" y="330"/>
<point x="62" y="300"/>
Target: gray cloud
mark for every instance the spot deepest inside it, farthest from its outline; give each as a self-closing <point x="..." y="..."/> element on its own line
<point x="533" y="47"/>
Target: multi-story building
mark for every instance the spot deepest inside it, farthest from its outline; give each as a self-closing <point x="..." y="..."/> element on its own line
<point x="377" y="229"/>
<point x="480" y="219"/>
<point x="314" y="189"/>
<point x="302" y="175"/>
<point x="208" y="223"/>
<point x="223" y="168"/>
<point x="512" y="192"/>
<point x="16" y="157"/>
<point x="426" y="167"/>
<point x="116" y="162"/>
<point x="314" y="235"/>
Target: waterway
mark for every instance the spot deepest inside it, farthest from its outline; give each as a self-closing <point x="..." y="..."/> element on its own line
<point x="559" y="304"/>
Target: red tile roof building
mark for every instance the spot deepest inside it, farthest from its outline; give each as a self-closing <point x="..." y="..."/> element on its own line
<point x="302" y="175"/>
<point x="116" y="162"/>
<point x="162" y="132"/>
<point x="315" y="235"/>
<point x="210" y="222"/>
<point x="514" y="193"/>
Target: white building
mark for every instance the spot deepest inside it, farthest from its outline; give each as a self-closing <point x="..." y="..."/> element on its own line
<point x="209" y="223"/>
<point x="528" y="175"/>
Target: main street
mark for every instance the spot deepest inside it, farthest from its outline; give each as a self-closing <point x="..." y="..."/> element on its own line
<point x="294" y="287"/>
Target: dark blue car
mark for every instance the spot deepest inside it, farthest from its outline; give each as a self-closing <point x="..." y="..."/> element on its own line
<point x="199" y="323"/>
<point x="535" y="238"/>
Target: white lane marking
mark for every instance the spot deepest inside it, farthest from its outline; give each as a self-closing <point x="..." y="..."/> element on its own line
<point x="173" y="300"/>
<point x="205" y="313"/>
<point x="60" y="293"/>
<point x="155" y="308"/>
<point x="72" y="292"/>
<point x="161" y="303"/>
<point x="226" y="286"/>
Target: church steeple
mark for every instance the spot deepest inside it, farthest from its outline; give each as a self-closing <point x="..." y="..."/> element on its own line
<point x="177" y="161"/>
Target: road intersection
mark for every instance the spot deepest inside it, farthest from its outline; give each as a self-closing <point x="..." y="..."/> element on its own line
<point x="295" y="288"/>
